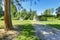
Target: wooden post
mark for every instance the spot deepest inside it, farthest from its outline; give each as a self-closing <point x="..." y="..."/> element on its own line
<point x="7" y="15"/>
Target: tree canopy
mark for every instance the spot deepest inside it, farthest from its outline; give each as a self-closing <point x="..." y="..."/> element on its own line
<point x="58" y="11"/>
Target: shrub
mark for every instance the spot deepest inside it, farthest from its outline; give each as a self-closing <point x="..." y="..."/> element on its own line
<point x="2" y="18"/>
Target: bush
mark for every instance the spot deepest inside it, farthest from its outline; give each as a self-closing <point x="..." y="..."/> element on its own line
<point x="43" y="19"/>
<point x="2" y="18"/>
<point x="59" y="17"/>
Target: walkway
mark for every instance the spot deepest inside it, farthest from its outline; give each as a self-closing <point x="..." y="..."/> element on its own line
<point x="46" y="33"/>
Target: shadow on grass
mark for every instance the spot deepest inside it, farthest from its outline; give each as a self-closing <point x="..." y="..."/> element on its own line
<point x="26" y="32"/>
<point x="54" y="25"/>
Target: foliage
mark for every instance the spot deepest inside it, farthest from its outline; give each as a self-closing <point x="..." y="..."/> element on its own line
<point x="1" y="11"/>
<point x="23" y="14"/>
<point x="59" y="17"/>
<point x="58" y="12"/>
<point x="17" y="15"/>
<point x="31" y="14"/>
<point x="13" y="10"/>
<point x="2" y="18"/>
<point x="27" y="31"/>
<point x="47" y="12"/>
<point x="17" y="5"/>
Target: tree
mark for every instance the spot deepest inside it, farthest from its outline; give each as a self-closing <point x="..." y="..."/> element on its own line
<point x="31" y="14"/>
<point x="7" y="15"/>
<point x="1" y="11"/>
<point x="34" y="14"/>
<point x="18" y="15"/>
<point x="47" y="13"/>
<point x="23" y="14"/>
<point x="58" y="12"/>
<point x="13" y="10"/>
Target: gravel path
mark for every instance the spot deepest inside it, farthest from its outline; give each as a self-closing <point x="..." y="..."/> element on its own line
<point x="46" y="33"/>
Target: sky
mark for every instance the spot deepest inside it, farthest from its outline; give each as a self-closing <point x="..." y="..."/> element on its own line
<point x="41" y="5"/>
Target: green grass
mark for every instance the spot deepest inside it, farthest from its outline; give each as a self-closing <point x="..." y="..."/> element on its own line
<point x="26" y="29"/>
<point x="53" y="23"/>
<point x="1" y="24"/>
<point x="27" y="32"/>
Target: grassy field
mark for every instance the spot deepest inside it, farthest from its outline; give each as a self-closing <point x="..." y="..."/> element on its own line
<point x="1" y="24"/>
<point x="53" y="23"/>
<point x="26" y="29"/>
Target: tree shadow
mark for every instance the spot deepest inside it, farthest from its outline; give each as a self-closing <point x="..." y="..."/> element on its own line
<point x="54" y="25"/>
<point x="43" y="31"/>
<point x="27" y="31"/>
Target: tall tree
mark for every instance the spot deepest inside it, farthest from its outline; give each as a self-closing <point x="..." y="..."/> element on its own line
<point x="1" y="11"/>
<point x="13" y="10"/>
<point x="47" y="12"/>
<point x="31" y="14"/>
<point x="23" y="14"/>
<point x="58" y="12"/>
<point x="7" y="15"/>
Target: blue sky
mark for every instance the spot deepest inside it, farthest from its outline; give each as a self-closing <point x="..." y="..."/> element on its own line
<point x="41" y="5"/>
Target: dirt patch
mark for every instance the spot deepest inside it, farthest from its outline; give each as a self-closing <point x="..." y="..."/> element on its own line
<point x="8" y="35"/>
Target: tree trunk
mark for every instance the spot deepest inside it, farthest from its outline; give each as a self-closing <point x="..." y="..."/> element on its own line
<point x="7" y="15"/>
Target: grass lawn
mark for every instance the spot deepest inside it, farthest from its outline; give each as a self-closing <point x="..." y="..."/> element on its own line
<point x="53" y="23"/>
<point x="26" y="29"/>
<point x="1" y="24"/>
